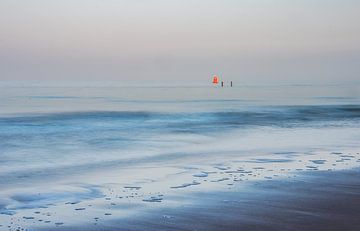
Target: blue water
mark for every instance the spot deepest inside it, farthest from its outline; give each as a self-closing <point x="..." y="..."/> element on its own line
<point x="42" y="126"/>
<point x="50" y="134"/>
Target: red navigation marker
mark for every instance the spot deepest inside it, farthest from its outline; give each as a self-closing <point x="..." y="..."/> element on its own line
<point x="215" y="79"/>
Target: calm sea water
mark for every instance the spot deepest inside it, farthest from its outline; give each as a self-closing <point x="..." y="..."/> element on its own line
<point x="45" y="127"/>
<point x="51" y="134"/>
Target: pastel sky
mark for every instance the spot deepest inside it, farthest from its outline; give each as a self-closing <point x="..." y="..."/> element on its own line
<point x="247" y="41"/>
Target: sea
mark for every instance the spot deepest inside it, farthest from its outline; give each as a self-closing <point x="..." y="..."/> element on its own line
<point x="70" y="154"/>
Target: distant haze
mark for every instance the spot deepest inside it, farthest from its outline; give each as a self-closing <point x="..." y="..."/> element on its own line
<point x="181" y="41"/>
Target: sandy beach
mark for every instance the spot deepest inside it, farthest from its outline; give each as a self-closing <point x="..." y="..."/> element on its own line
<point x="267" y="194"/>
<point x="323" y="200"/>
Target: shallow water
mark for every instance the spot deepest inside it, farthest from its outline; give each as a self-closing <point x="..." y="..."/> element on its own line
<point x="72" y="154"/>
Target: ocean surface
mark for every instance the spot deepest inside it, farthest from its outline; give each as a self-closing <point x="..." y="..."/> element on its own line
<point x="82" y="155"/>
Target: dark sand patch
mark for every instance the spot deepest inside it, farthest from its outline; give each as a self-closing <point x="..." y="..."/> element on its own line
<point x="266" y="161"/>
<point x="222" y="167"/>
<point x="133" y="187"/>
<point x="318" y="161"/>
<point x="221" y="179"/>
<point x="202" y="174"/>
<point x="185" y="185"/>
<point x="154" y="199"/>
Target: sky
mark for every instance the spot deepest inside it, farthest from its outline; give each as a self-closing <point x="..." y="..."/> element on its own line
<point x="178" y="41"/>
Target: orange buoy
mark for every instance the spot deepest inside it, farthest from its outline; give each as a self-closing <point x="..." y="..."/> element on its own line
<point x="215" y="79"/>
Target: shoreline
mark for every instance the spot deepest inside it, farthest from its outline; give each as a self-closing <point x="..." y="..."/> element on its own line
<point x="317" y="200"/>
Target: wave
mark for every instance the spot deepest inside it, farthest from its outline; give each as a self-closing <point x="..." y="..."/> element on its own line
<point x="274" y="115"/>
<point x="291" y="114"/>
<point x="76" y="116"/>
<point x="79" y="141"/>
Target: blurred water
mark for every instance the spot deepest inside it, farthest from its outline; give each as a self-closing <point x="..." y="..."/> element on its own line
<point x="60" y="146"/>
<point x="50" y="127"/>
<point x="42" y="99"/>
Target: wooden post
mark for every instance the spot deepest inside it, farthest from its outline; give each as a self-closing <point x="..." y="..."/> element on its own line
<point x="231" y="84"/>
<point x="222" y="83"/>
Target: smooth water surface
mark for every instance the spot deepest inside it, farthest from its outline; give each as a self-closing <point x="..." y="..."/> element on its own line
<point x="70" y="145"/>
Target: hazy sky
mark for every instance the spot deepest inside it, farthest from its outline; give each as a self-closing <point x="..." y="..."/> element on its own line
<point x="247" y="41"/>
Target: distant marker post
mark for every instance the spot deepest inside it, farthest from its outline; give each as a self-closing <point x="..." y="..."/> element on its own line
<point x="215" y="80"/>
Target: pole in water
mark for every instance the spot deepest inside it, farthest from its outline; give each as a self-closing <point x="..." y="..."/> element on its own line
<point x="231" y="84"/>
<point x="222" y="83"/>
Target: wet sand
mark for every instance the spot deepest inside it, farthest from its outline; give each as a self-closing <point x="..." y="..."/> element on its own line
<point x="316" y="200"/>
